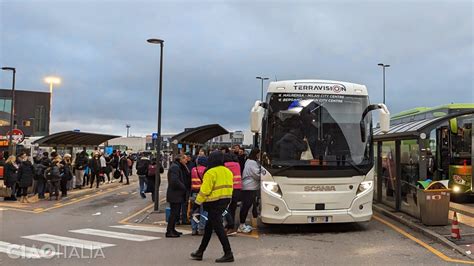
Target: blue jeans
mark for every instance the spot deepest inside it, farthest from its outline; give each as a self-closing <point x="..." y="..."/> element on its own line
<point x="202" y="221"/>
<point x="142" y="183"/>
<point x="41" y="187"/>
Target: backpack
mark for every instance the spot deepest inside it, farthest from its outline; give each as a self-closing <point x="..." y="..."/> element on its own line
<point x="117" y="174"/>
<point x="39" y="170"/>
<point x="152" y="170"/>
<point x="142" y="167"/>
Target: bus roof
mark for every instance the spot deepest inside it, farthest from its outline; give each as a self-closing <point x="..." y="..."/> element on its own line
<point x="317" y="86"/>
<point x="420" y="110"/>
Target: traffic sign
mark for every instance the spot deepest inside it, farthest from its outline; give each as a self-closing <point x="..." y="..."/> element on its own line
<point x="154" y="135"/>
<point x="17" y="137"/>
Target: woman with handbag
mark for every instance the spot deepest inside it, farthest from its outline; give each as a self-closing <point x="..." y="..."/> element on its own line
<point x="11" y="176"/>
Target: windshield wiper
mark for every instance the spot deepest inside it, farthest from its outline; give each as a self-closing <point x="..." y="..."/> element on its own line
<point x="357" y="168"/>
<point x="284" y="169"/>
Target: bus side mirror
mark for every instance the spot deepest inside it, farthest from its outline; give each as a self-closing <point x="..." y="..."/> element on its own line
<point x="384" y="119"/>
<point x="256" y="116"/>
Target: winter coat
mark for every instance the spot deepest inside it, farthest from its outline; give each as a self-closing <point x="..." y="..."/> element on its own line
<point x="26" y="173"/>
<point x="123" y="164"/>
<point x="11" y="174"/>
<point x="290" y="147"/>
<point x="53" y="173"/>
<point x="142" y="166"/>
<point x="251" y="175"/>
<point x="176" y="192"/>
<point x="94" y="165"/>
<point x="81" y="160"/>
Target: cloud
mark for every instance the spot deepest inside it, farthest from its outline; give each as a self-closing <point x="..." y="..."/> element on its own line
<point x="213" y="51"/>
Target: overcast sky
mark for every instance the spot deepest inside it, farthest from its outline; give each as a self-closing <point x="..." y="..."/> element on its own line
<point x="214" y="50"/>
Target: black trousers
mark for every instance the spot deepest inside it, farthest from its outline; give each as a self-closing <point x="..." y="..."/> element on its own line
<point x="23" y="191"/>
<point x="95" y="176"/>
<point x="248" y="198"/>
<point x="174" y="214"/>
<point x="63" y="185"/>
<point x="214" y="222"/>
<point x="230" y="217"/>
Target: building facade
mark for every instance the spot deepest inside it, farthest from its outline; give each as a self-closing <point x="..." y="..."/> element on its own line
<point x="32" y="112"/>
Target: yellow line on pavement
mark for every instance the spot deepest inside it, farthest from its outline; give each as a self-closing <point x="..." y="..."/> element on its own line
<point x="124" y="220"/>
<point x="420" y="242"/>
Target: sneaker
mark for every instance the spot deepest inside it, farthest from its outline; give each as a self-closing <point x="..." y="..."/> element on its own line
<point x="143" y="195"/>
<point x="249" y="227"/>
<point x="244" y="229"/>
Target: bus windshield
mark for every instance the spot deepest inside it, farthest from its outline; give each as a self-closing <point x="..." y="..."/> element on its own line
<point x="325" y="130"/>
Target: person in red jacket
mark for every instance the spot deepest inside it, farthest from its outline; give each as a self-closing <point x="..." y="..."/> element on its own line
<point x="231" y="161"/>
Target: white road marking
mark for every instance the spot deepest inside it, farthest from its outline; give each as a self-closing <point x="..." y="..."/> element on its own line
<point x="112" y="234"/>
<point x="19" y="251"/>
<point x="67" y="241"/>
<point x="155" y="229"/>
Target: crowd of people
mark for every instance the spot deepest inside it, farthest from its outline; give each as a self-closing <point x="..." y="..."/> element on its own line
<point x="50" y="174"/>
<point x="204" y="191"/>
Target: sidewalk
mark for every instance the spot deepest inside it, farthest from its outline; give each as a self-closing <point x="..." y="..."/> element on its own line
<point x="440" y="234"/>
<point x="36" y="205"/>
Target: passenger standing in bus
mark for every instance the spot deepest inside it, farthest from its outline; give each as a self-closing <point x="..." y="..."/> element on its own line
<point x="250" y="187"/>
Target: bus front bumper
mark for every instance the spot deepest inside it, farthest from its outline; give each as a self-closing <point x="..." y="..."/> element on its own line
<point x="276" y="211"/>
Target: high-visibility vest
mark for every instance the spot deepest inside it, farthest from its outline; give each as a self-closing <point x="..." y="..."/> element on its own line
<point x="197" y="174"/>
<point x="234" y="167"/>
<point x="217" y="184"/>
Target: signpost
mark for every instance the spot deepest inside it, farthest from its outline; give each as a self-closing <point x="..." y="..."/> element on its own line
<point x="17" y="137"/>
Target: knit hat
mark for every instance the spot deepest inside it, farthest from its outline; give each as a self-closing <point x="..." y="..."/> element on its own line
<point x="202" y="161"/>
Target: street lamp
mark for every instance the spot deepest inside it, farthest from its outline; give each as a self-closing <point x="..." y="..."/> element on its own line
<point x="128" y="128"/>
<point x="51" y="80"/>
<point x="12" y="111"/>
<point x="262" y="79"/>
<point x="158" y="141"/>
<point x="383" y="67"/>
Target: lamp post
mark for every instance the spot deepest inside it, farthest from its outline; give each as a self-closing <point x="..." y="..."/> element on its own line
<point x="383" y="67"/>
<point x="56" y="81"/>
<point x="262" y="79"/>
<point x="158" y="141"/>
<point x="128" y="129"/>
<point x="11" y="151"/>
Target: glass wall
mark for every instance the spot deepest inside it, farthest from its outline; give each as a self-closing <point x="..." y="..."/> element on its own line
<point x="5" y="105"/>
<point x="409" y="166"/>
<point x="388" y="173"/>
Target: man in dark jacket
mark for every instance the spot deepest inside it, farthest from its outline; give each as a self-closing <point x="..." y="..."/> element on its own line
<point x="176" y="193"/>
<point x="80" y="164"/>
<point x="40" y="167"/>
<point x="290" y="146"/>
<point x="94" y="165"/>
<point x="142" y="171"/>
<point x="124" y="168"/>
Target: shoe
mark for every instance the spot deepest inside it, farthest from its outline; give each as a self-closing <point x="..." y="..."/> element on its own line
<point x="177" y="232"/>
<point x="143" y="195"/>
<point x="172" y="235"/>
<point x="231" y="232"/>
<point x="120" y="181"/>
<point x="128" y="183"/>
<point x="229" y="257"/>
<point x="243" y="228"/>
<point x="197" y="255"/>
<point x="249" y="227"/>
<point x="195" y="233"/>
<point x="200" y="232"/>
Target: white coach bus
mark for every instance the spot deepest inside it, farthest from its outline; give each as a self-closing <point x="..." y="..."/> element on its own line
<point x="316" y="151"/>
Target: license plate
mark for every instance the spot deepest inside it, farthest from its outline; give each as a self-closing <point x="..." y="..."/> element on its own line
<point x="319" y="219"/>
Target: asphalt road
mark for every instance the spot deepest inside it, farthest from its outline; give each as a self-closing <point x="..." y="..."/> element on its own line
<point x="91" y="220"/>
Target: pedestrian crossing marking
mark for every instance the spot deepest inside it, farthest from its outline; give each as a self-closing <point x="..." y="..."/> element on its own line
<point x="68" y="241"/>
<point x="19" y="251"/>
<point x="112" y="234"/>
<point x="155" y="229"/>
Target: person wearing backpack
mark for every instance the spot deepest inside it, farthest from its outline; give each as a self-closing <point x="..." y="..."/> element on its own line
<point x="66" y="174"/>
<point x="53" y="175"/>
<point x="40" y="166"/>
<point x="142" y="171"/>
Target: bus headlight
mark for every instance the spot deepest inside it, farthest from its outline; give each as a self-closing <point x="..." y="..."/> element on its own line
<point x="272" y="188"/>
<point x="456" y="189"/>
<point x="364" y="186"/>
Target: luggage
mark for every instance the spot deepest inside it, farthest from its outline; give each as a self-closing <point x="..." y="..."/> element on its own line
<point x="5" y="192"/>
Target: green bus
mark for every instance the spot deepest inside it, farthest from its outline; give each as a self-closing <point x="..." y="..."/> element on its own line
<point x="450" y="151"/>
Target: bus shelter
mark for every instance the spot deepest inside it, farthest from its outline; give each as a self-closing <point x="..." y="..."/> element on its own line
<point x="65" y="142"/>
<point x="436" y="149"/>
<point x="192" y="139"/>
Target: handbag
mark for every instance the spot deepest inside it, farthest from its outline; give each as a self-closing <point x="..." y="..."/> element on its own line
<point x="5" y="192"/>
<point x="117" y="174"/>
<point x="307" y="154"/>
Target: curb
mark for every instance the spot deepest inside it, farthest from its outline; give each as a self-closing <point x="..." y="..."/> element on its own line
<point x="424" y="231"/>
